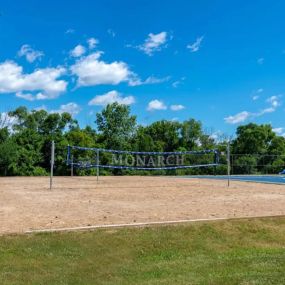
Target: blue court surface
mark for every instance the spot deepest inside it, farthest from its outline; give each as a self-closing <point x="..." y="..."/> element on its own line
<point x="273" y="179"/>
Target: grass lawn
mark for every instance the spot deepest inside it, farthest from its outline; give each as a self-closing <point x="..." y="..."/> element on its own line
<point x="232" y="252"/>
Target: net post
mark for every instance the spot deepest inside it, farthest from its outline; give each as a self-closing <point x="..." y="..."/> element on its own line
<point x="68" y="155"/>
<point x="51" y="164"/>
<point x="229" y="163"/>
<point x="216" y="161"/>
<point x="97" y="164"/>
<point x="71" y="170"/>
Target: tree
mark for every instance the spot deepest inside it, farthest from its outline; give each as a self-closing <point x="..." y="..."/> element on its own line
<point x="143" y="141"/>
<point x="116" y="126"/>
<point x="33" y="133"/>
<point x="253" y="139"/>
<point x="258" y="140"/>
<point x="25" y="142"/>
<point x="8" y="156"/>
<point x="29" y="155"/>
<point x="277" y="146"/>
<point x="4" y="134"/>
<point x="245" y="165"/>
<point x="191" y="132"/>
<point x="276" y="155"/>
<point x="164" y="134"/>
<point x="53" y="127"/>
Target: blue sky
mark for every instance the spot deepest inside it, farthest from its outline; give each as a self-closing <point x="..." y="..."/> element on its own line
<point x="221" y="62"/>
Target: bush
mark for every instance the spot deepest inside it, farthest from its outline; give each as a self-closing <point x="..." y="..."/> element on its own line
<point x="245" y="165"/>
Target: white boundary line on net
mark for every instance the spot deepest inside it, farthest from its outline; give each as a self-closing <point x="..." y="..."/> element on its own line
<point x="145" y="224"/>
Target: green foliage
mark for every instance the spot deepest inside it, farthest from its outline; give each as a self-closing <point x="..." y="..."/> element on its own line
<point x="4" y="134"/>
<point x="258" y="149"/>
<point x="25" y="148"/>
<point x="276" y="166"/>
<point x="253" y="139"/>
<point x="8" y="156"/>
<point x="164" y="134"/>
<point x="245" y="164"/>
<point x="28" y="147"/>
<point x="220" y="253"/>
<point x="116" y="126"/>
<point x="191" y="132"/>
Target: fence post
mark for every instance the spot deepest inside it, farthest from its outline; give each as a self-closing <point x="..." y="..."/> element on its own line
<point x="229" y="162"/>
<point x="71" y="165"/>
<point x="97" y="164"/>
<point x="51" y="164"/>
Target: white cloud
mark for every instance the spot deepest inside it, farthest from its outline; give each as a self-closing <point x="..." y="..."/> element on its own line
<point x="7" y="121"/>
<point x="71" y="108"/>
<point x="196" y="45"/>
<point x="241" y="117"/>
<point x="264" y="111"/>
<point x="78" y="51"/>
<point x="274" y="101"/>
<point x="111" y="33"/>
<point x="90" y="70"/>
<point x="44" y="82"/>
<point x="156" y="105"/>
<point x="238" y="118"/>
<point x="278" y="131"/>
<point x="177" y="107"/>
<point x="256" y="94"/>
<point x="26" y="96"/>
<point x="70" y="31"/>
<point x="150" y="80"/>
<point x="111" y="97"/>
<point x="30" y="54"/>
<point x="153" y="43"/>
<point x="92" y="43"/>
<point x="176" y="83"/>
<point x="155" y="80"/>
<point x="260" y="60"/>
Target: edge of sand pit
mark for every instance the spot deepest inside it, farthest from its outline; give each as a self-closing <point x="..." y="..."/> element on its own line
<point x="145" y="224"/>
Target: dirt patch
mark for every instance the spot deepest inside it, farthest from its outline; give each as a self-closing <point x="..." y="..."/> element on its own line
<point x="26" y="203"/>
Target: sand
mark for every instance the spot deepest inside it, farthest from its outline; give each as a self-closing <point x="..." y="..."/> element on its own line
<point x="26" y="203"/>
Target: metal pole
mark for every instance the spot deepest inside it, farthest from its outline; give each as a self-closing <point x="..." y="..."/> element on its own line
<point x="216" y="161"/>
<point x="71" y="165"/>
<point x="229" y="163"/>
<point x="51" y="163"/>
<point x="97" y="163"/>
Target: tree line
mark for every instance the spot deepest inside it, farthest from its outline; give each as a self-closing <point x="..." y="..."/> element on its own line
<point x="25" y="144"/>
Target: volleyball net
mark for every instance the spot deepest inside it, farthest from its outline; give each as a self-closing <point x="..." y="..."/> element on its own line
<point x="87" y="158"/>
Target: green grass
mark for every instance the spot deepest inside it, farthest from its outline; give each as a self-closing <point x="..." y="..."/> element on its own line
<point x="232" y="252"/>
